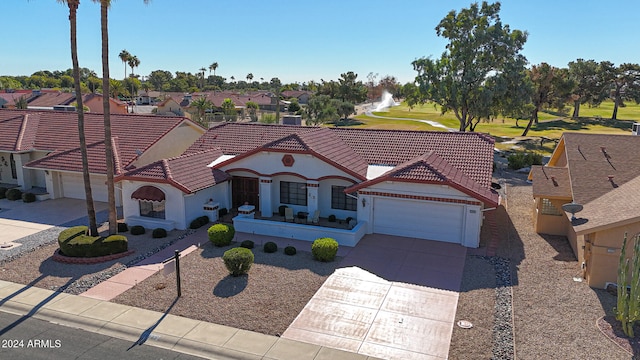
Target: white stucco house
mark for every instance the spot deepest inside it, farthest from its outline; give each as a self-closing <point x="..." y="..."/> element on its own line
<point x="426" y="185"/>
<point x="40" y="149"/>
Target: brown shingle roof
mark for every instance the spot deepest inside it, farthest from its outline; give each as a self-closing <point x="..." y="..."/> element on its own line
<point x="188" y="173"/>
<point x="592" y="158"/>
<point x="48" y="99"/>
<point x="551" y="182"/>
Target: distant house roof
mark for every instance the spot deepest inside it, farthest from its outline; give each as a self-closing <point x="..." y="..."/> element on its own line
<point x="57" y="132"/>
<point x="51" y="98"/>
<point x="9" y="99"/>
<point x="550" y="182"/>
<point x="188" y="173"/>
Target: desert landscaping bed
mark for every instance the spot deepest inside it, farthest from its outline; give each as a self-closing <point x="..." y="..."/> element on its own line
<point x="267" y="300"/>
<point x="36" y="266"/>
<point x="554" y="316"/>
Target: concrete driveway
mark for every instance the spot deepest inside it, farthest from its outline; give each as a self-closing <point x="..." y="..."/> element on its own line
<point x="392" y="298"/>
<point x="19" y="219"/>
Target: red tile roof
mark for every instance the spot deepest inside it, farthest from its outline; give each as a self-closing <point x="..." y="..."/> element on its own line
<point x="48" y="99"/>
<point x="430" y="168"/>
<point x="320" y="142"/>
<point x="472" y="153"/>
<point x="188" y="173"/>
<point x="30" y="130"/>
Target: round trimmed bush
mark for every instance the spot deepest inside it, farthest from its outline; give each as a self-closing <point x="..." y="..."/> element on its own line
<point x="75" y="242"/>
<point x="28" y="197"/>
<point x="3" y="191"/>
<point x="13" y="194"/>
<point x="270" y="247"/>
<point x="331" y="218"/>
<point x="290" y="250"/>
<point x="248" y="244"/>
<point x="137" y="230"/>
<point x="324" y="249"/>
<point x="238" y="260"/>
<point x="199" y="222"/>
<point x="122" y="227"/>
<point x="221" y="234"/>
<point x="159" y="233"/>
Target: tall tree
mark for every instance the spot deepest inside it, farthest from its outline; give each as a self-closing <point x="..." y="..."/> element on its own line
<point x="479" y="47"/>
<point x="91" y="212"/>
<point x="276" y="84"/>
<point x="249" y="77"/>
<point x="588" y="87"/>
<point x="623" y="83"/>
<point x="133" y="61"/>
<point x="201" y="73"/>
<point x="124" y="57"/>
<point x="213" y="67"/>
<point x="351" y="90"/>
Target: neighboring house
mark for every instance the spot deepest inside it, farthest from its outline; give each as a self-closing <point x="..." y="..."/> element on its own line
<point x="8" y="100"/>
<point x="94" y="102"/>
<point x="302" y="95"/>
<point x="601" y="173"/>
<point x="41" y="148"/>
<point x="170" y="107"/>
<point x="427" y="185"/>
<point x="49" y="98"/>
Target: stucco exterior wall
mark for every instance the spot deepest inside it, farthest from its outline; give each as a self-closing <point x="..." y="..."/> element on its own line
<point x="324" y="199"/>
<point x="550" y="224"/>
<point x="194" y="202"/>
<point x="605" y="253"/>
<point x="174" y="202"/>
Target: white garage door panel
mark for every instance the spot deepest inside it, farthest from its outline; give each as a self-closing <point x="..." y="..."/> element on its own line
<point x="73" y="187"/>
<point x="419" y="219"/>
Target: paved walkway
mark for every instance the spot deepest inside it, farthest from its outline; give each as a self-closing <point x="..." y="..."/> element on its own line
<point x="168" y="331"/>
<point x="393" y="297"/>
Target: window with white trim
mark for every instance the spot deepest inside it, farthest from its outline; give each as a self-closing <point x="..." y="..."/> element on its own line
<point x="293" y="193"/>
<point x="549" y="209"/>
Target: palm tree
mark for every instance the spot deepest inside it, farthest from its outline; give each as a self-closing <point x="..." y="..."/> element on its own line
<point x="133" y="60"/>
<point x="213" y="67"/>
<point x="124" y="56"/>
<point x="249" y="77"/>
<point x="91" y="211"/>
<point x="202" y="71"/>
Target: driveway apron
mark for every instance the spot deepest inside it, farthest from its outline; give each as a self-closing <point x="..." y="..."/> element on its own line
<point x="392" y="298"/>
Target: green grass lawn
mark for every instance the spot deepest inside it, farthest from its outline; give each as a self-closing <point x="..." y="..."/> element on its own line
<point x="551" y="125"/>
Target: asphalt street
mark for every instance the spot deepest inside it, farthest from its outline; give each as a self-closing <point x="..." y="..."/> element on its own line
<point x="29" y="339"/>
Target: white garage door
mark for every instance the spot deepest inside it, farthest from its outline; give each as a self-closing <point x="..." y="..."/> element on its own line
<point x="418" y="219"/>
<point x="73" y="187"/>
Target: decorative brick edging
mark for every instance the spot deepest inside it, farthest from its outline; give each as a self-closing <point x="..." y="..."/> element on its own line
<point x="92" y="260"/>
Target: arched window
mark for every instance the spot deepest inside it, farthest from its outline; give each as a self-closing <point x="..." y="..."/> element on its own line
<point x="151" y="200"/>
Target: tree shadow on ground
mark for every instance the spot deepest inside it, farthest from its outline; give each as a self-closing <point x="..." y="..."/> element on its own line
<point x="231" y="286"/>
<point x="347" y="122"/>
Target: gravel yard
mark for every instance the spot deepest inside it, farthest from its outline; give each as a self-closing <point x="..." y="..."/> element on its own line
<point x="267" y="300"/>
<point x="34" y="266"/>
<point x="554" y="317"/>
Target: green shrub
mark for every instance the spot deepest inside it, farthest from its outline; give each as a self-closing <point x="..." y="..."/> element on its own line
<point x="290" y="250"/>
<point x="524" y="159"/>
<point x="137" y="230"/>
<point x="75" y="242"/>
<point x="247" y="244"/>
<point x="238" y="260"/>
<point x="159" y="233"/>
<point x="324" y="249"/>
<point x="13" y="194"/>
<point x="331" y="218"/>
<point x="281" y="209"/>
<point x="28" y="197"/>
<point x="221" y="234"/>
<point x="270" y="247"/>
<point x="122" y="227"/>
<point x="199" y="222"/>
<point x="3" y="191"/>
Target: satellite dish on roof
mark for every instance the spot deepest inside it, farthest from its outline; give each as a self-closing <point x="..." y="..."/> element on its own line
<point x="572" y="208"/>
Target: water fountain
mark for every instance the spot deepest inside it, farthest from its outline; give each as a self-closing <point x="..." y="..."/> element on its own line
<point x="386" y="101"/>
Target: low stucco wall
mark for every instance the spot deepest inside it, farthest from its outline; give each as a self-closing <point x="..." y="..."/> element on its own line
<point x="299" y="231"/>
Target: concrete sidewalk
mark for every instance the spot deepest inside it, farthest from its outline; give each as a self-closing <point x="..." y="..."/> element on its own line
<point x="168" y="331"/>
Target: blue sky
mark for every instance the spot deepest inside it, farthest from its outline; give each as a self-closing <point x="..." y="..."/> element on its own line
<point x="299" y="41"/>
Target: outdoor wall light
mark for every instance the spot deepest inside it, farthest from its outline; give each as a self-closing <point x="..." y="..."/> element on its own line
<point x="364" y="202"/>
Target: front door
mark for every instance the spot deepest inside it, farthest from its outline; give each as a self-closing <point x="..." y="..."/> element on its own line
<point x="245" y="189"/>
